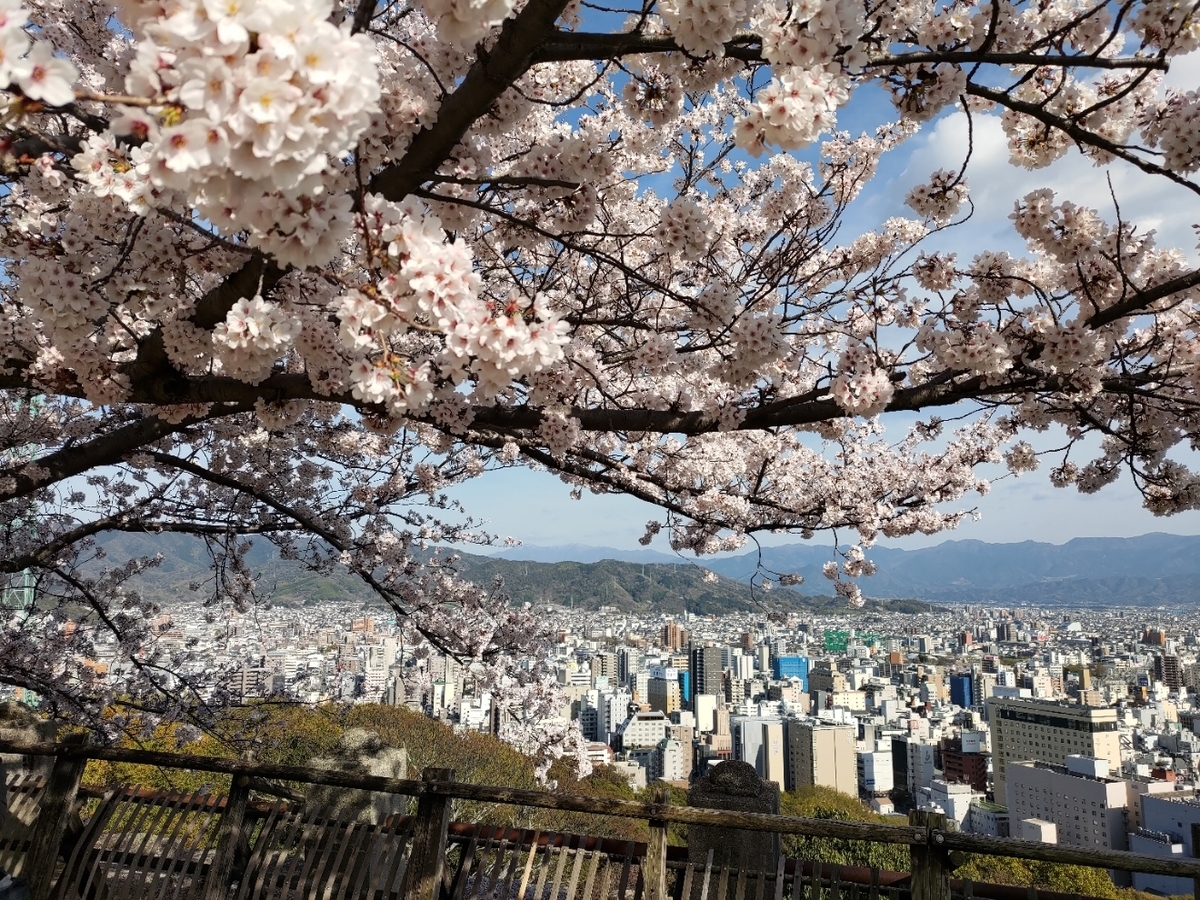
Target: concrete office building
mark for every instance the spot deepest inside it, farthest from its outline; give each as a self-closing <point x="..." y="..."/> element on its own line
<point x="875" y="773"/>
<point x="913" y="763"/>
<point x="1049" y="732"/>
<point x="705" y="708"/>
<point x="965" y="765"/>
<point x="663" y="695"/>
<point x="760" y="742"/>
<point x="820" y="754"/>
<point x="706" y="670"/>
<point x="952" y="798"/>
<point x="1085" y="805"/>
<point x="643" y="729"/>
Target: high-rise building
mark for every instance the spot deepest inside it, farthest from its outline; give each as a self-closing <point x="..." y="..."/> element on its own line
<point x="663" y="694"/>
<point x="826" y="678"/>
<point x="686" y="736"/>
<point x="1168" y="671"/>
<point x="1155" y="637"/>
<point x="706" y="670"/>
<point x="674" y="637"/>
<point x="875" y="775"/>
<point x="1048" y="731"/>
<point x="629" y="663"/>
<point x="964" y="766"/>
<point x="791" y="667"/>
<point x="961" y="693"/>
<point x="1168" y="821"/>
<point x="760" y="742"/>
<point x="821" y="754"/>
<point x="642" y="729"/>
<point x="914" y="762"/>
<point x="705" y="708"/>
<point x="604" y="665"/>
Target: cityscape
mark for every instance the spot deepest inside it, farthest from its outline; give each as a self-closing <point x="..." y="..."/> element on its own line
<point x="1070" y="727"/>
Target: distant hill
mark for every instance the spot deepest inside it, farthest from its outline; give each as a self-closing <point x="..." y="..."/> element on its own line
<point x="582" y="553"/>
<point x="634" y="587"/>
<point x="628" y="586"/>
<point x="1150" y="570"/>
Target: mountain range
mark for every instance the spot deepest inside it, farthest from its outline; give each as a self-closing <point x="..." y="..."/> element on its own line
<point x="628" y="586"/>
<point x="1152" y="569"/>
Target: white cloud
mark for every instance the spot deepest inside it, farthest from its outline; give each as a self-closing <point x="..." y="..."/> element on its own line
<point x="1150" y="202"/>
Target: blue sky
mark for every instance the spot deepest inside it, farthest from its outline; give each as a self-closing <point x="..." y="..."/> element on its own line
<point x="536" y="508"/>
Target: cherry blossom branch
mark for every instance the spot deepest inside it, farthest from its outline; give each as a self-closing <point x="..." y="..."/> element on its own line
<point x="115" y="99"/>
<point x="566" y="45"/>
<point x="492" y="74"/>
<point x="507" y="181"/>
<point x="1077" y="133"/>
<point x="20" y="480"/>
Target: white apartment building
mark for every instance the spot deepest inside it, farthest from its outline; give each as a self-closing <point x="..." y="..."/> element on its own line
<point x="662" y="761"/>
<point x="643" y="729"/>
<point x="1086" y="806"/>
<point x="952" y="798"/>
<point x="1049" y="731"/>
<point x="875" y="776"/>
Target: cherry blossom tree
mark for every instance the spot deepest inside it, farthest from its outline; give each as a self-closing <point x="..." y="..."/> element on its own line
<point x="288" y="269"/>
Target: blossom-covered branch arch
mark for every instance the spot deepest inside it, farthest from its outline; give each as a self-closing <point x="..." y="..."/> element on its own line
<point x="289" y="269"/>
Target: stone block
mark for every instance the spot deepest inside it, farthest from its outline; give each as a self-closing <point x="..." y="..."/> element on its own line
<point x="734" y="786"/>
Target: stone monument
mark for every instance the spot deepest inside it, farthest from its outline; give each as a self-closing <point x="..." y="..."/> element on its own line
<point x="736" y="787"/>
<point x="361" y="752"/>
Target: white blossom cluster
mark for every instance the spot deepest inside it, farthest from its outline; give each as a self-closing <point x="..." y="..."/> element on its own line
<point x="256" y="100"/>
<point x="801" y="40"/>
<point x="683" y="229"/>
<point x="31" y="65"/>
<point x="977" y="348"/>
<point x="860" y="387"/>
<point x="254" y="334"/>
<point x="793" y="110"/>
<point x="463" y="23"/>
<point x="429" y="285"/>
<point x="703" y="26"/>
<point x="941" y="198"/>
<point x="1174" y="127"/>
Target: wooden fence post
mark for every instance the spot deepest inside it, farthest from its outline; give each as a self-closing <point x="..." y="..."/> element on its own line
<point x="58" y="803"/>
<point x="654" y="866"/>
<point x="427" y="858"/>
<point x="230" y="836"/>
<point x="930" y="863"/>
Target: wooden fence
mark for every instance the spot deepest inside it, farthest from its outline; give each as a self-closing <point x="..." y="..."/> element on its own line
<point x="136" y="844"/>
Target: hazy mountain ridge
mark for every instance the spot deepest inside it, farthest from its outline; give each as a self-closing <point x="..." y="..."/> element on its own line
<point x="1151" y="569"/>
<point x="628" y="586"/>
